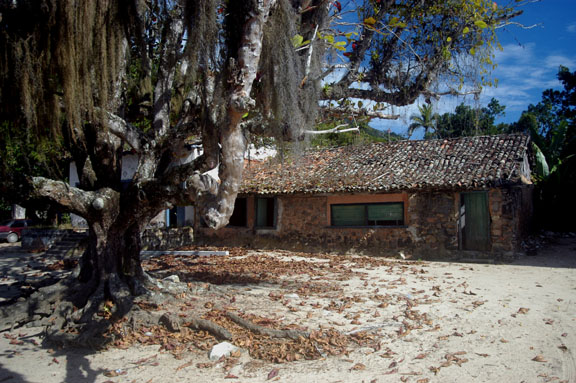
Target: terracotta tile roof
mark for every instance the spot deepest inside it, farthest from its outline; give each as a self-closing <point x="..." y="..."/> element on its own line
<point x="462" y="163"/>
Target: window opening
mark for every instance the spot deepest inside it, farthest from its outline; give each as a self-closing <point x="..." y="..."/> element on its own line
<point x="239" y="216"/>
<point x="265" y="212"/>
<point x="368" y="214"/>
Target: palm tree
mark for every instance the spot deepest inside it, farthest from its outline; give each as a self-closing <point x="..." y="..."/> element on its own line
<point x="426" y="119"/>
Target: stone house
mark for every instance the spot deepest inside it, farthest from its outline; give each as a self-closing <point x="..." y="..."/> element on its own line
<point x="426" y="199"/>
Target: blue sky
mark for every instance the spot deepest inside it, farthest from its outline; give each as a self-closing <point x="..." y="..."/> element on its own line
<point x="527" y="65"/>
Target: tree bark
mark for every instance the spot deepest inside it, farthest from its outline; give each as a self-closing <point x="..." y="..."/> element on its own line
<point x="219" y="207"/>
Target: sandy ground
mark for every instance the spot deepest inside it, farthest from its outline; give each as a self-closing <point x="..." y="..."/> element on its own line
<point x="419" y="321"/>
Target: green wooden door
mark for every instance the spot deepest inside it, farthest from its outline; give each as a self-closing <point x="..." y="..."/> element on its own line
<point x="475" y="221"/>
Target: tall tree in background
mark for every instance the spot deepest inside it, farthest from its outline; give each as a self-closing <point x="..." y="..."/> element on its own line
<point x="552" y="125"/>
<point x="88" y="80"/>
<point x="426" y="120"/>
<point x="469" y="121"/>
<point x="552" y="122"/>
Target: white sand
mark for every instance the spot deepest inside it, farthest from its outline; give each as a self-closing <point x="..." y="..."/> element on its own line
<point x="485" y="323"/>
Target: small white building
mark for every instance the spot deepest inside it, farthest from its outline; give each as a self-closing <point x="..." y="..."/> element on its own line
<point x="178" y="216"/>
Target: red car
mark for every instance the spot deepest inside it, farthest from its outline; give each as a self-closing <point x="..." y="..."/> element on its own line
<point x="11" y="229"/>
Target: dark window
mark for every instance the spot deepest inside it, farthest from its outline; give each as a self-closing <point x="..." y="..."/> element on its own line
<point x="19" y="224"/>
<point x="239" y="216"/>
<point x="173" y="217"/>
<point x="265" y="212"/>
<point x="368" y="214"/>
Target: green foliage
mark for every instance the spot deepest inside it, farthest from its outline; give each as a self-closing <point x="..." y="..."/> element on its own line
<point x="439" y="34"/>
<point x="426" y="120"/>
<point x="30" y="155"/>
<point x="551" y="122"/>
<point x="541" y="170"/>
<point x="469" y="121"/>
<point x="551" y="125"/>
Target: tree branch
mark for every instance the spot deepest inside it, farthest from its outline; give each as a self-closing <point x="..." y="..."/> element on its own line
<point x="218" y="208"/>
<point x="398" y="98"/>
<point x="75" y="200"/>
<point x="166" y="70"/>
<point x="347" y="111"/>
<point x="333" y="130"/>
<point x="131" y="135"/>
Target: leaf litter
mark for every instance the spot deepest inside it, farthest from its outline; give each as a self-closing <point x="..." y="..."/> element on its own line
<point x="331" y="298"/>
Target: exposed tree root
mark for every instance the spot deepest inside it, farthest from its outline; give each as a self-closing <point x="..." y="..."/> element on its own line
<point x="97" y="313"/>
<point x="273" y="333"/>
<point x="209" y="326"/>
<point x="174" y="324"/>
<point x="37" y="308"/>
<point x="73" y="313"/>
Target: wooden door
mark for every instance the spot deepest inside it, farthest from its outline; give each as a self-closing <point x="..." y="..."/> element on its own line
<point x="474" y="221"/>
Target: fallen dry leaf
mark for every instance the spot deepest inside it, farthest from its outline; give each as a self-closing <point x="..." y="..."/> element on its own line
<point x="539" y="358"/>
<point x="358" y="367"/>
<point x="114" y="373"/>
<point x="273" y="373"/>
<point x="390" y="372"/>
<point x="182" y="366"/>
<point x="523" y="310"/>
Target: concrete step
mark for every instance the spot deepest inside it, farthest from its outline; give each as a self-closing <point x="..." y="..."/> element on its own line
<point x="65" y="245"/>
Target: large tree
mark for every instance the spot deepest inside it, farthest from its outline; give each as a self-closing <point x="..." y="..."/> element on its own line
<point x="469" y="121"/>
<point x="552" y="127"/>
<point x="93" y="79"/>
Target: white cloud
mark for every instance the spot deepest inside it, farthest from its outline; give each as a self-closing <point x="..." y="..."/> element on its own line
<point x="515" y="52"/>
<point x="571" y="28"/>
<point x="555" y="61"/>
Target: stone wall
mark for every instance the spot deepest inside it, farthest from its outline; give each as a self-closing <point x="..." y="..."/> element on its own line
<point x="431" y="226"/>
<point x="152" y="239"/>
<point x="304" y="224"/>
<point x="434" y="223"/>
<point x="167" y="238"/>
<point x="39" y="239"/>
<point x="511" y="214"/>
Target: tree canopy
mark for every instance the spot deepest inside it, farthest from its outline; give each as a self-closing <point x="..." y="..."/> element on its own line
<point x="470" y="121"/>
<point x="552" y="126"/>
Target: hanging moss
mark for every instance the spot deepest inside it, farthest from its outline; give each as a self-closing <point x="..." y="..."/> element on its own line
<point x="286" y="97"/>
<point x="68" y="54"/>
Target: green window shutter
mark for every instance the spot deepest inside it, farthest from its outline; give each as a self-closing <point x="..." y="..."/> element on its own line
<point x="348" y="215"/>
<point x="264" y="212"/>
<point x="386" y="212"/>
